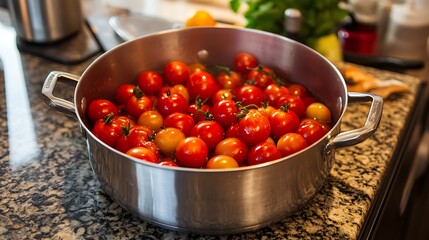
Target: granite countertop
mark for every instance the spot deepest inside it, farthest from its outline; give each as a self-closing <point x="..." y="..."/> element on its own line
<point x="48" y="190"/>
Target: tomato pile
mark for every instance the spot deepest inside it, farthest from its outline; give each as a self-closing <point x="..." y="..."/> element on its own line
<point x="197" y="116"/>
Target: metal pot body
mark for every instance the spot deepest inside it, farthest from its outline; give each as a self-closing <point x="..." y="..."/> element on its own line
<point x="45" y="21"/>
<point x="215" y="201"/>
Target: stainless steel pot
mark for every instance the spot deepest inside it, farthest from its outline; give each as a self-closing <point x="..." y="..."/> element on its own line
<point x="214" y="201"/>
<point x="45" y="21"/>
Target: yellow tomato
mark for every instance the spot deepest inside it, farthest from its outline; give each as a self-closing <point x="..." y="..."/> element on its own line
<point x="200" y="18"/>
<point x="167" y="139"/>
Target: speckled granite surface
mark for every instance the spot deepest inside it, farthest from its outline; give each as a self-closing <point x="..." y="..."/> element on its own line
<point x="48" y="190"/>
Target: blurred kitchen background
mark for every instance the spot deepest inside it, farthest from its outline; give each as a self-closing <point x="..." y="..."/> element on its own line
<point x="386" y="34"/>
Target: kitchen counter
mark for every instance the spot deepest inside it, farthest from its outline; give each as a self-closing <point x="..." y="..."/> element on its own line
<point x="48" y="190"/>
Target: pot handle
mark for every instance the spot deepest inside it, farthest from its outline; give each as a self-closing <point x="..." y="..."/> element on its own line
<point x="356" y="136"/>
<point x="57" y="103"/>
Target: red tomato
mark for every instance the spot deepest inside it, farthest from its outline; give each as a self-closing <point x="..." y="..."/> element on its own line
<point x="224" y="112"/>
<point x="100" y="108"/>
<point x="210" y="132"/>
<point x="261" y="77"/>
<point x="150" y="82"/>
<point x="167" y="139"/>
<point x="192" y="152"/>
<point x="153" y="147"/>
<point x="273" y="92"/>
<point x="291" y="143"/>
<point x="243" y="62"/>
<point x="298" y="90"/>
<point x="249" y="94"/>
<point x="199" y="110"/>
<point x="202" y="85"/>
<point x="254" y="128"/>
<point x="107" y="131"/>
<point x="176" y="72"/>
<point x="222" y="95"/>
<point x="168" y="163"/>
<point x="138" y="103"/>
<point x="229" y="79"/>
<point x="283" y="122"/>
<point x="132" y="137"/>
<point x="221" y="162"/>
<point x="234" y="148"/>
<point x="123" y="121"/>
<point x="143" y="153"/>
<point x="233" y="131"/>
<point x="311" y="130"/>
<point x="170" y="103"/>
<point x="182" y="121"/>
<point x="292" y="103"/>
<point x="263" y="152"/>
<point x="124" y="92"/>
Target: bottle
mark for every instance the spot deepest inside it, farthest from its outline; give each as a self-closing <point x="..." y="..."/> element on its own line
<point x="292" y="24"/>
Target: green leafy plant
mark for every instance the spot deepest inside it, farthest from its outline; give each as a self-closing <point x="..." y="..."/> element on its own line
<point x="321" y="17"/>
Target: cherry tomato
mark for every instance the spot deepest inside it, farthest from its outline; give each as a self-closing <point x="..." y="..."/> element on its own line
<point x="229" y="79"/>
<point x="221" y="162"/>
<point x="210" y="132"/>
<point x="243" y="62"/>
<point x="191" y="152"/>
<point x="152" y="119"/>
<point x="249" y="94"/>
<point x="283" y="122"/>
<point x="168" y="163"/>
<point x="143" y="153"/>
<point x="196" y="67"/>
<point x="224" y="112"/>
<point x="182" y="121"/>
<point x="291" y="143"/>
<point x="100" y="108"/>
<point x="233" y="131"/>
<point x="292" y="103"/>
<point x="273" y="92"/>
<point x="263" y="152"/>
<point x="267" y="110"/>
<point x="311" y="130"/>
<point x="176" y="72"/>
<point x="132" y="137"/>
<point x="107" y="131"/>
<point x="123" y="121"/>
<point x="298" y="90"/>
<point x="202" y="85"/>
<point x="170" y="103"/>
<point x="167" y="139"/>
<point x="319" y="112"/>
<point x="150" y="82"/>
<point x="138" y="103"/>
<point x="254" y="128"/>
<point x="222" y="95"/>
<point x="261" y="77"/>
<point x="124" y="92"/>
<point x="151" y="146"/>
<point x="199" y="110"/>
<point x="180" y="89"/>
<point x="234" y="148"/>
